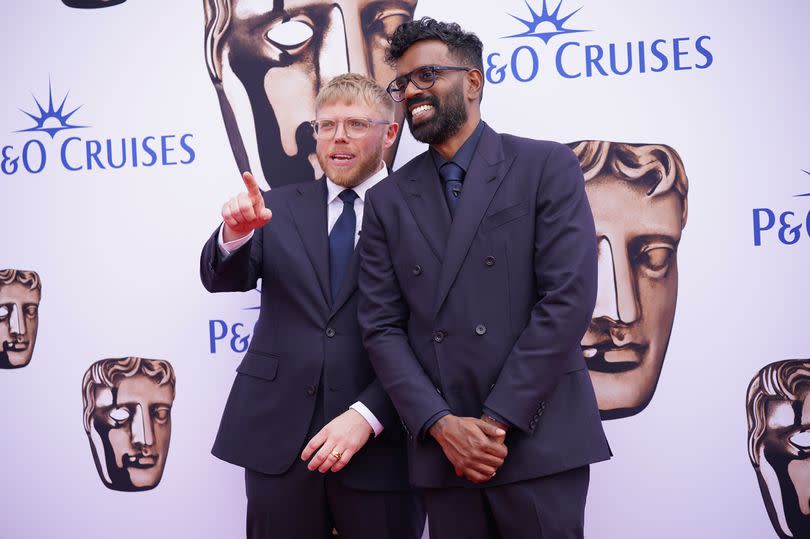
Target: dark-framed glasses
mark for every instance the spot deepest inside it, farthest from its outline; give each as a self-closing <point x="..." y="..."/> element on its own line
<point x="326" y="128"/>
<point x="422" y="77"/>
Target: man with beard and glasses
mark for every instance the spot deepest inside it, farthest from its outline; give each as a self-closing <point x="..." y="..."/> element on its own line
<point x="319" y="439"/>
<point x="267" y="61"/>
<point x="478" y="279"/>
<point x="20" y="293"/>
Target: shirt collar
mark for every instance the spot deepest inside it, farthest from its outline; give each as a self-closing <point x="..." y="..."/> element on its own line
<point x="465" y="153"/>
<point x="333" y="189"/>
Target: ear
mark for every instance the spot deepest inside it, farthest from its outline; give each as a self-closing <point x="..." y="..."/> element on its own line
<point x="391" y="135"/>
<point x="474" y="84"/>
<point x="217" y="19"/>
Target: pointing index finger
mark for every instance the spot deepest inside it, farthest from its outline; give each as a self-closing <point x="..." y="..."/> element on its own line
<point x="250" y="183"/>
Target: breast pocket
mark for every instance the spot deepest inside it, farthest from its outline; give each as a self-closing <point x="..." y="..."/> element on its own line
<point x="505" y="215"/>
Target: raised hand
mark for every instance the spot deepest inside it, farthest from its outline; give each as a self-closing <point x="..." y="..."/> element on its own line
<point x="245" y="212"/>
<point x="337" y="442"/>
<point x="473" y="446"/>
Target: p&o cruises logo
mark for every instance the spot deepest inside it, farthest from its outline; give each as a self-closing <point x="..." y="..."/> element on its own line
<point x="549" y="36"/>
<point x="782" y="226"/>
<point x="80" y="153"/>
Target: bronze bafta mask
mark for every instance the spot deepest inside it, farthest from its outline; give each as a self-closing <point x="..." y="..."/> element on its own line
<point x="20" y="293"/>
<point x="127" y="417"/>
<point x="638" y="195"/>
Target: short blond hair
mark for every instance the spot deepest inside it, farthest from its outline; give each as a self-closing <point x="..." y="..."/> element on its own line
<point x="353" y="87"/>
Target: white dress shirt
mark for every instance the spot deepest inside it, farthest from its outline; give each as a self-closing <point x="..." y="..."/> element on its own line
<point x="334" y="207"/>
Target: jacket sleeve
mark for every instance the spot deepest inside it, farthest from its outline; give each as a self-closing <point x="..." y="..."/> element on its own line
<point x="383" y="316"/>
<point x="565" y="270"/>
<point x="238" y="272"/>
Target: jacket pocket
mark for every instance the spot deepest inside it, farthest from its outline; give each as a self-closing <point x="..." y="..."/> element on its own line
<point x="501" y="217"/>
<point x="259" y="365"/>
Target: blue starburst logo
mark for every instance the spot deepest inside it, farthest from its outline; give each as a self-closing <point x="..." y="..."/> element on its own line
<point x="547" y="24"/>
<point x="51" y="120"/>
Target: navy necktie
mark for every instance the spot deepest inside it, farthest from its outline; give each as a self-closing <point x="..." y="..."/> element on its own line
<point x="453" y="176"/>
<point x="341" y="242"/>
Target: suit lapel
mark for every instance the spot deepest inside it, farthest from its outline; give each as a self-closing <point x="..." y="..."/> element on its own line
<point x="480" y="184"/>
<point x="423" y="193"/>
<point x="309" y="213"/>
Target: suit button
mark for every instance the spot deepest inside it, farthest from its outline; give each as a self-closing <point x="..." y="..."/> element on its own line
<point x="330" y="332"/>
<point x="417" y="270"/>
<point x="311" y="390"/>
<point x="480" y="329"/>
<point x="438" y="336"/>
<point x="489" y="261"/>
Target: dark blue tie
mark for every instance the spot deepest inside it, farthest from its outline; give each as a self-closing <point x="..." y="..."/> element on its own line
<point x="453" y="176"/>
<point x="341" y="242"/>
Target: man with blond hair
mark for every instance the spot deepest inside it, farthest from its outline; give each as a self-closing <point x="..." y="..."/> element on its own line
<point x="320" y="442"/>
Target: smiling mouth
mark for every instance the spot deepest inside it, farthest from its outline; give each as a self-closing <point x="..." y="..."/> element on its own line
<point x="607" y="357"/>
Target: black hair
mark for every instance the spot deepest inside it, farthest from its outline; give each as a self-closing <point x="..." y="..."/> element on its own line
<point x="464" y="46"/>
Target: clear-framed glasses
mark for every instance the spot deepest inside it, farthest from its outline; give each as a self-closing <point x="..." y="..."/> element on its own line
<point x="326" y="128"/>
<point x="422" y="77"/>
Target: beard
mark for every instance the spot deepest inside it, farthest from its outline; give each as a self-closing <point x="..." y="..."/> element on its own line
<point x="365" y="167"/>
<point x="448" y="117"/>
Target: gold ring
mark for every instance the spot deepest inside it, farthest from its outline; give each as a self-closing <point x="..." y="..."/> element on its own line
<point x="336" y="453"/>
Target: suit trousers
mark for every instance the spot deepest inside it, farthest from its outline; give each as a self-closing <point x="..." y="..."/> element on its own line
<point x="300" y="504"/>
<point x="550" y="507"/>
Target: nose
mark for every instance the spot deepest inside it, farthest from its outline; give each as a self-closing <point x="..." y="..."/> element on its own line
<point x="142" y="433"/>
<point x="340" y="131"/>
<point x="410" y="91"/>
<point x="17" y="320"/>
<point x="616" y="295"/>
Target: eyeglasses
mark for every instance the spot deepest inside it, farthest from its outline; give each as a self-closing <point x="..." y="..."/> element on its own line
<point x="326" y="128"/>
<point x="422" y="77"/>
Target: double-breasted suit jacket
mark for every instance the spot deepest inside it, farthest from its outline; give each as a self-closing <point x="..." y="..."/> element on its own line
<point x="303" y="343"/>
<point x="486" y="311"/>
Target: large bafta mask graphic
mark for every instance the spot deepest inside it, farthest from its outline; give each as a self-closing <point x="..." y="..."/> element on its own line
<point x="637" y="193"/>
<point x="127" y="417"/>
<point x="268" y="59"/>
<point x="778" y="409"/>
<point x="20" y="293"/>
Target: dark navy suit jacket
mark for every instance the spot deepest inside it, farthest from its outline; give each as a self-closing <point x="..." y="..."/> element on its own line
<point x="302" y="343"/>
<point x="486" y="311"/>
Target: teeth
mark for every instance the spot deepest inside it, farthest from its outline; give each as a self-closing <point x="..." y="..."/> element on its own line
<point x="421" y="109"/>
<point x="589" y="352"/>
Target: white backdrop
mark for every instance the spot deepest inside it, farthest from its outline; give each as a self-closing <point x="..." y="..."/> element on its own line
<point x="117" y="250"/>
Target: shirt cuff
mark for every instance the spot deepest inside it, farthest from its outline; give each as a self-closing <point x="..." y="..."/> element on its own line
<point x="226" y="248"/>
<point x="430" y="422"/>
<point x="372" y="420"/>
<point x="497" y="417"/>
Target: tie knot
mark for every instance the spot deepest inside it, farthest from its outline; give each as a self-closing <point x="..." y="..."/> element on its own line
<point x="348" y="196"/>
<point x="451" y="172"/>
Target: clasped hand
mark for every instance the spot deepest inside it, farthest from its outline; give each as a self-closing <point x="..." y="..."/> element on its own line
<point x="475" y="447"/>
